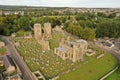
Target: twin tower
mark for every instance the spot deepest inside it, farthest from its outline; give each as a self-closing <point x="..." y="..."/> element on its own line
<point x="43" y="35"/>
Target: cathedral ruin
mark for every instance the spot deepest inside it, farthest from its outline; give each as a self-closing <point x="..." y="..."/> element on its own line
<point x="73" y="51"/>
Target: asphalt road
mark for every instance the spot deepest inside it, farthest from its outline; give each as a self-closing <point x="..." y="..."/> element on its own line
<point x="26" y="73"/>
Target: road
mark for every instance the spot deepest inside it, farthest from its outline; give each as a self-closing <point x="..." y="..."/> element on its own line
<point x="26" y="73"/>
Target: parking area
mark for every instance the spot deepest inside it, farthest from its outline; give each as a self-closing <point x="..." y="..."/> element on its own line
<point x="110" y="45"/>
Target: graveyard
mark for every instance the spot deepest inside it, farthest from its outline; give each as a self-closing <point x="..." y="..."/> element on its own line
<point x="48" y="63"/>
<point x="59" y="40"/>
<point x="52" y="65"/>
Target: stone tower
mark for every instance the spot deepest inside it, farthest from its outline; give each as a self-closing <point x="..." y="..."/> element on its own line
<point x="37" y="31"/>
<point x="47" y="31"/>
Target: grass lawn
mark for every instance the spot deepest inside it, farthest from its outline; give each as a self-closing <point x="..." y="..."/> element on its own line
<point x="56" y="38"/>
<point x="2" y="50"/>
<point x="93" y="70"/>
<point x="115" y="75"/>
<point x="61" y="16"/>
<point x="22" y="32"/>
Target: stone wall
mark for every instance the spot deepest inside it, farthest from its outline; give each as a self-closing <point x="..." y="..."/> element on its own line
<point x="47" y="31"/>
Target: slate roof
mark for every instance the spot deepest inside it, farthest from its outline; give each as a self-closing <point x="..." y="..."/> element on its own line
<point x="62" y="49"/>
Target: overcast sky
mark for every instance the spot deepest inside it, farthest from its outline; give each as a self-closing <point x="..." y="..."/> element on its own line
<point x="64" y="3"/>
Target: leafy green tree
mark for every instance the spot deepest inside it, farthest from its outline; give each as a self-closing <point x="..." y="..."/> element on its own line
<point x="112" y="15"/>
<point x="108" y="29"/>
<point x="24" y="23"/>
<point x="101" y="14"/>
<point x="80" y="17"/>
<point x="84" y="33"/>
<point x="88" y="34"/>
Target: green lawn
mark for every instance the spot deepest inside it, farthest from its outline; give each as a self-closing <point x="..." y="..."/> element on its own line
<point x="22" y="33"/>
<point x="2" y="50"/>
<point x="56" y="38"/>
<point x="93" y="70"/>
<point x="115" y="75"/>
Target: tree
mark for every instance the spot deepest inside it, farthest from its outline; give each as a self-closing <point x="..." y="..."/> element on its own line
<point x="24" y="23"/>
<point x="100" y="14"/>
<point x="80" y="17"/>
<point x="84" y="33"/>
<point x="108" y="29"/>
<point x="56" y="22"/>
<point x="88" y="34"/>
<point x="112" y="15"/>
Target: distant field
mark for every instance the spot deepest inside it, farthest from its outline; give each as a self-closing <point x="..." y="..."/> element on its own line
<point x="115" y="75"/>
<point x="61" y="16"/>
<point x="72" y="16"/>
<point x="93" y="70"/>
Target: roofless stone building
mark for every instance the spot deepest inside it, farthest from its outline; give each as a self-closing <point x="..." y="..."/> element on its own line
<point x="73" y="51"/>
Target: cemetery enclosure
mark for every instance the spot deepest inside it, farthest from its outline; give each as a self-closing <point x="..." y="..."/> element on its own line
<point x="48" y="63"/>
<point x="51" y="65"/>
